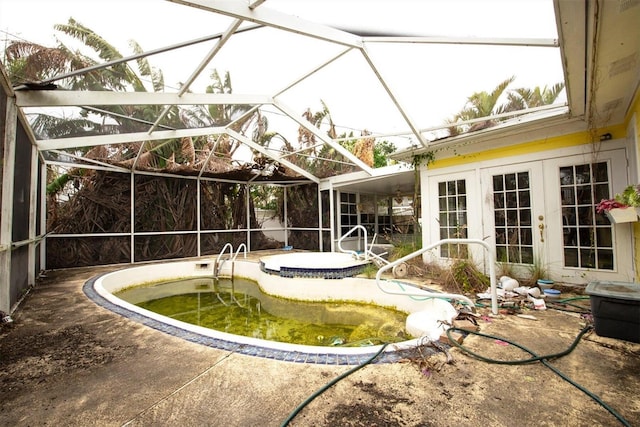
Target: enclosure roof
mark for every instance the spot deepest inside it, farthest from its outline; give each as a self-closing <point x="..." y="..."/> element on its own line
<point x="376" y="69"/>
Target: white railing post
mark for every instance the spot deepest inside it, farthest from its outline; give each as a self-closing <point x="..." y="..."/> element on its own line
<point x="492" y="272"/>
<point x="366" y="243"/>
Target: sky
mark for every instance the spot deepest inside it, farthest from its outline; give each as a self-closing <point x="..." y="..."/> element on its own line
<point x="431" y="82"/>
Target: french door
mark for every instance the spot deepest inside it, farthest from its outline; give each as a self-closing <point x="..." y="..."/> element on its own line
<point x="541" y="215"/>
<point x="515" y="219"/>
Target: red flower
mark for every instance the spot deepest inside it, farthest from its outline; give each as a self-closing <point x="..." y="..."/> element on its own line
<point x="608" y="204"/>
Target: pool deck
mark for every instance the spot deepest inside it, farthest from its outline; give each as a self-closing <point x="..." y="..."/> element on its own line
<point x="66" y="361"/>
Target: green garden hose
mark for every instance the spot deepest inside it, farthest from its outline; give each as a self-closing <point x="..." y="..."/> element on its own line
<point x="536" y="358"/>
<point x="565" y="302"/>
<point x="556" y="305"/>
<point x="329" y="384"/>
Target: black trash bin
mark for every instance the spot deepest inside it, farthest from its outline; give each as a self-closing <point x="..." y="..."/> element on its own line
<point x="615" y="307"/>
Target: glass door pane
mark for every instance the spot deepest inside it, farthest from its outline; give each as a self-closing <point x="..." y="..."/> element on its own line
<point x="587" y="235"/>
<point x="513" y="227"/>
<point x="583" y="245"/>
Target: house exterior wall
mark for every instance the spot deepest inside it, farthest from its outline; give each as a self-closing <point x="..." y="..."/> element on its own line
<point x="633" y="133"/>
<point x="543" y="156"/>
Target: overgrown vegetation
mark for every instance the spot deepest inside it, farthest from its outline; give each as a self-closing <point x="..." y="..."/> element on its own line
<point x="369" y="271"/>
<point x="402" y="249"/>
<point x="466" y="276"/>
<point x="86" y="201"/>
<point x="462" y="276"/>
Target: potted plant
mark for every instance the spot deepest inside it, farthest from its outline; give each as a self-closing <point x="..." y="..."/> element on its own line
<point x="623" y="207"/>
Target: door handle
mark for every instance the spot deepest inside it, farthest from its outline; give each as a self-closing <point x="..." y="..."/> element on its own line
<point x="541" y="227"/>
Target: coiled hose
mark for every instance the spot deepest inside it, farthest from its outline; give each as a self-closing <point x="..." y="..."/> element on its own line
<point x="329" y="384"/>
<point x="536" y="358"/>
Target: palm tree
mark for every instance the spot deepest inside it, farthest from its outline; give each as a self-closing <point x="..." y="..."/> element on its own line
<point x="484" y="104"/>
<point x="522" y="98"/>
<point x="30" y="63"/>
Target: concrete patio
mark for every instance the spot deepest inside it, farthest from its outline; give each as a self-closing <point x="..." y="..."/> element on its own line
<point x="66" y="361"/>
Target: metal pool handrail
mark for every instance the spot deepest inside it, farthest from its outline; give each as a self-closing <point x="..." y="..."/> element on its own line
<point x="492" y="272"/>
<point x="242" y="246"/>
<point x="232" y="257"/>
<point x="224" y="248"/>
<point x="348" y="233"/>
<point x="217" y="265"/>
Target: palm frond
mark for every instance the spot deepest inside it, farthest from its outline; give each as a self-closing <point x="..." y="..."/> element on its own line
<point x="157" y="80"/>
<point x="30" y="62"/>
<point x="89" y="38"/>
<point x="105" y="51"/>
<point x="143" y="63"/>
<point x="550" y="95"/>
<point x="48" y="127"/>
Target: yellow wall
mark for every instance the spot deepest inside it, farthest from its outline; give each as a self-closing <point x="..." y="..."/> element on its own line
<point x="536" y="146"/>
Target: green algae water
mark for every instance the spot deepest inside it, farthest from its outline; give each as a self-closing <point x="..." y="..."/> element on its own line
<point x="239" y="307"/>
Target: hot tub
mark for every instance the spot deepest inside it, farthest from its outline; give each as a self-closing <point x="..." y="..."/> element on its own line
<point x="326" y="265"/>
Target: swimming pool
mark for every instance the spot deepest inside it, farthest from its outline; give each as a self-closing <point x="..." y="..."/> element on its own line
<point x="101" y="289"/>
<point x="238" y="306"/>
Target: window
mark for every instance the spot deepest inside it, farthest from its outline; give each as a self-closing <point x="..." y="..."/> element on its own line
<point x="368" y="213"/>
<point x="348" y="212"/>
<point x="452" y="207"/>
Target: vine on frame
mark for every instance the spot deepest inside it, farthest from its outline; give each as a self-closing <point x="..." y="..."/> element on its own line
<point x="418" y="159"/>
<point x="423" y="158"/>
